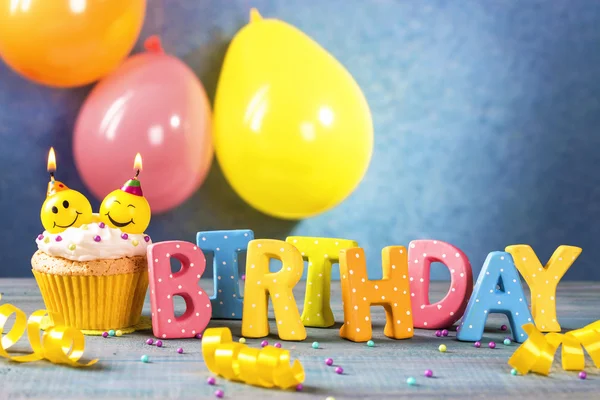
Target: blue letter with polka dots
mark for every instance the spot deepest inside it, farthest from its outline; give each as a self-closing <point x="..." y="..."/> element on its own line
<point x="498" y="290"/>
<point x="227" y="303"/>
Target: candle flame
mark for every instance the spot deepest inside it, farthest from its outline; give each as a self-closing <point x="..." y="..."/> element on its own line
<point x="137" y="164"/>
<point x="51" y="160"/>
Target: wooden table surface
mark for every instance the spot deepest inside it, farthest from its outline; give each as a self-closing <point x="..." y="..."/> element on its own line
<point x="380" y="372"/>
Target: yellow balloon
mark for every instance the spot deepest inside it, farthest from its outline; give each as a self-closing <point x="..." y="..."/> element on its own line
<point x="67" y="43"/>
<point x="292" y="129"/>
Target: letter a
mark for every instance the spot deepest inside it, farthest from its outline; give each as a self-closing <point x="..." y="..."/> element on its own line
<point x="498" y="290"/>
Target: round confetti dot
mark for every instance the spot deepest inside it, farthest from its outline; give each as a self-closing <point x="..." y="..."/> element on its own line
<point x="371" y="343"/>
<point x="411" y="381"/>
<point x="503" y="327"/>
<point x="104" y="334"/>
<point x="150" y="341"/>
<point x="442" y="348"/>
<point x="46" y="240"/>
<point x="242" y="340"/>
<point x="97" y="238"/>
<point x="101" y="224"/>
<point x="514" y="372"/>
<point x="492" y="345"/>
<point x="339" y="370"/>
<point x="477" y="344"/>
<point x="507" y="342"/>
<point x="329" y="361"/>
<point x="159" y="343"/>
<point x="111" y="332"/>
<point x="243" y="277"/>
<point x="211" y="380"/>
<point x="445" y="332"/>
<point x="146" y="239"/>
<point x="428" y="373"/>
<point x="58" y="238"/>
<point x="180" y="350"/>
<point x="40" y="237"/>
<point x="582" y="375"/>
<point x="72" y="247"/>
<point x="119" y="333"/>
<point x="264" y="343"/>
<point x="144" y="358"/>
<point x="124" y="236"/>
<point x="278" y="345"/>
<point x="198" y="336"/>
<point x="299" y="387"/>
<point x="438" y="333"/>
<point x="457" y="328"/>
<point x="315" y="345"/>
<point x="219" y="393"/>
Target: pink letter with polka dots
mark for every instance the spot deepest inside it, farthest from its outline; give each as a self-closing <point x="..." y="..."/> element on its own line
<point x="164" y="285"/>
<point x="444" y="313"/>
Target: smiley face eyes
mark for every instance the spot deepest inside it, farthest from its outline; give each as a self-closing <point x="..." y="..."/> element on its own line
<point x="117" y="201"/>
<point x="65" y="204"/>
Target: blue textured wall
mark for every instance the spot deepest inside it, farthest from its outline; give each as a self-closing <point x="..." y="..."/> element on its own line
<point x="486" y="118"/>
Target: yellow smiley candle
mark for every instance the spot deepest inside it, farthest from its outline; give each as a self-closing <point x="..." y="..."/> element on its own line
<point x="63" y="207"/>
<point x="127" y="208"/>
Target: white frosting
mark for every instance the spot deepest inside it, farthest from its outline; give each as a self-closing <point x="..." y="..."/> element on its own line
<point x="78" y="244"/>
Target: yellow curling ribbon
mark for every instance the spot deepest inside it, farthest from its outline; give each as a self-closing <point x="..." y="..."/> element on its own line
<point x="537" y="353"/>
<point x="267" y="367"/>
<point x="58" y="344"/>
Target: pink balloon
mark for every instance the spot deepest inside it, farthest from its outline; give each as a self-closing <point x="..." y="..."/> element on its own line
<point x="153" y="105"/>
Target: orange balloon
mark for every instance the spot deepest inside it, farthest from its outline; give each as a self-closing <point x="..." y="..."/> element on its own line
<point x="68" y="43"/>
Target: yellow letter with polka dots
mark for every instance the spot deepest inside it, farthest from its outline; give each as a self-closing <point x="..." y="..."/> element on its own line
<point x="321" y="254"/>
<point x="260" y="284"/>
<point x="542" y="280"/>
<point x="359" y="294"/>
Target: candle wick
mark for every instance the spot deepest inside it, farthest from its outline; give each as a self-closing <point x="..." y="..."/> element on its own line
<point x="137" y="173"/>
<point x="52" y="177"/>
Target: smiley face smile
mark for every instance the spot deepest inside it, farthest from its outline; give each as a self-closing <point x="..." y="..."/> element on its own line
<point x="119" y="224"/>
<point x="71" y="224"/>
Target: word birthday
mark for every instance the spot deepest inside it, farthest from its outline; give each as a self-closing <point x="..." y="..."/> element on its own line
<point x="403" y="290"/>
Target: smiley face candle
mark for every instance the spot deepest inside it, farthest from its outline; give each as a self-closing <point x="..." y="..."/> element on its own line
<point x="127" y="208"/>
<point x="64" y="207"/>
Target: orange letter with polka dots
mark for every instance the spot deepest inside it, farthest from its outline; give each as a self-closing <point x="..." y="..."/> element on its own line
<point x="359" y="294"/>
<point x="260" y="284"/>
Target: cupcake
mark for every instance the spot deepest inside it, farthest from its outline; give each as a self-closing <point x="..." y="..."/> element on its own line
<point x="95" y="274"/>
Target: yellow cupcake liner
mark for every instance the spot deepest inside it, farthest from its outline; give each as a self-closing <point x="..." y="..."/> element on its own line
<point x="95" y="303"/>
